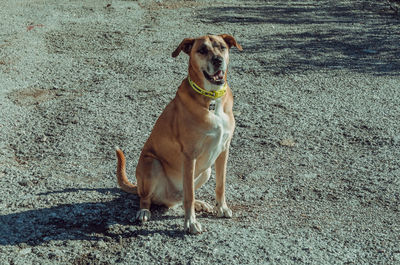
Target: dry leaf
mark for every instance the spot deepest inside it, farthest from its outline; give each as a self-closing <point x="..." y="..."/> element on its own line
<point x="287" y="142"/>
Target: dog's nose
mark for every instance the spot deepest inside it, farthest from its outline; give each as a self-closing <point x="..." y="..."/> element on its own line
<point x="217" y="61"/>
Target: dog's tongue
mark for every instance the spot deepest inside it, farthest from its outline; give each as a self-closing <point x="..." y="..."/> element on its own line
<point x="218" y="75"/>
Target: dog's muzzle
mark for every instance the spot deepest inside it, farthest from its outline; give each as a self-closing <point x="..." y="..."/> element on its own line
<point x="217" y="78"/>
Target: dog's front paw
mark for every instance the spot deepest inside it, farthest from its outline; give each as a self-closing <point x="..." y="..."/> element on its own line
<point x="193" y="227"/>
<point x="223" y="211"/>
<point x="143" y="215"/>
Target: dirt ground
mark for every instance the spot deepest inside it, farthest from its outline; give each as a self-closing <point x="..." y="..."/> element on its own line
<point x="313" y="174"/>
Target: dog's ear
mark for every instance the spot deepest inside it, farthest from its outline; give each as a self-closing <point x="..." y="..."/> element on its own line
<point x="231" y="41"/>
<point x="186" y="46"/>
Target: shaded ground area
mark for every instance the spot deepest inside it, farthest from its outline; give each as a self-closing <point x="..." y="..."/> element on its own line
<point x="316" y="36"/>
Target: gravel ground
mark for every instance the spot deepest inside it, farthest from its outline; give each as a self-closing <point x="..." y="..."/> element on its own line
<point x="315" y="159"/>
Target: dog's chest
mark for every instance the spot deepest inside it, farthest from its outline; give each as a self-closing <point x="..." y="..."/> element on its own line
<point x="217" y="137"/>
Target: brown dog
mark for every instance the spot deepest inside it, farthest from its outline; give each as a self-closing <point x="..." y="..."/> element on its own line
<point x="188" y="138"/>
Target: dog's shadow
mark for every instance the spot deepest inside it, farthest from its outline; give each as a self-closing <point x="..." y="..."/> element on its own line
<point x="103" y="220"/>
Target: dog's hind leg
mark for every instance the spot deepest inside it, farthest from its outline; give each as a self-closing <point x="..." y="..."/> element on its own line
<point x="148" y="174"/>
<point x="144" y="213"/>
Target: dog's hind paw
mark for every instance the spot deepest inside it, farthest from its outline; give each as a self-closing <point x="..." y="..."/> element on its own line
<point x="223" y="211"/>
<point x="201" y="206"/>
<point x="143" y="215"/>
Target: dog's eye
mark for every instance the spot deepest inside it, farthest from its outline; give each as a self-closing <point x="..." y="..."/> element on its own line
<point x="223" y="48"/>
<point x="203" y="51"/>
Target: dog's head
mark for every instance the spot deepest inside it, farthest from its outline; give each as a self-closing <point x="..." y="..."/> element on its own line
<point x="209" y="57"/>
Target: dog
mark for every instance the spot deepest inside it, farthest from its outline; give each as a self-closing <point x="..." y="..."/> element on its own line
<point x="188" y="138"/>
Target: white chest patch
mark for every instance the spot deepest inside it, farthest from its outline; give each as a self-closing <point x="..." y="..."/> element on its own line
<point x="219" y="135"/>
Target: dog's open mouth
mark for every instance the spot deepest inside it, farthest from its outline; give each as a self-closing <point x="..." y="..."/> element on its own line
<point x="217" y="78"/>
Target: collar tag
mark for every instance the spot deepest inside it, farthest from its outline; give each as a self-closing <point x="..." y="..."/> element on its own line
<point x="212" y="106"/>
<point x="211" y="94"/>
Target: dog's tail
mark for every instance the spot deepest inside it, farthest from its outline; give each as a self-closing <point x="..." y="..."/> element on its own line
<point x="123" y="181"/>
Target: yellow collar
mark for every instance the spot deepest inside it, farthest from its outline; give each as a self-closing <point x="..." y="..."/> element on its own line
<point x="210" y="94"/>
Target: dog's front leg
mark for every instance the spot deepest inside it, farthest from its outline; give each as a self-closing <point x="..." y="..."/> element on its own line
<point x="220" y="172"/>
<point x="191" y="225"/>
